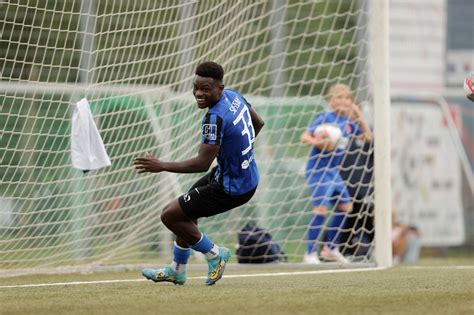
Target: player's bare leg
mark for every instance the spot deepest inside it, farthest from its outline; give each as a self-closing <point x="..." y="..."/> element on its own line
<point x="180" y="224"/>
<point x="188" y="235"/>
<point x="175" y="220"/>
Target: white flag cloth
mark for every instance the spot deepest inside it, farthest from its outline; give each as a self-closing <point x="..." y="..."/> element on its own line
<point x="87" y="149"/>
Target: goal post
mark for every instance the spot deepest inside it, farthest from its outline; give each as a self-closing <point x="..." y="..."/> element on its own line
<point x="381" y="95"/>
<point x="134" y="62"/>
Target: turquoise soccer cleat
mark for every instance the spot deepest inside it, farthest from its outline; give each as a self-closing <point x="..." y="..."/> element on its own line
<point x="164" y="275"/>
<point x="216" y="266"/>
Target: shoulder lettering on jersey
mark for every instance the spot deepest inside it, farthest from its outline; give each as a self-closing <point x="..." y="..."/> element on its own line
<point x="235" y="105"/>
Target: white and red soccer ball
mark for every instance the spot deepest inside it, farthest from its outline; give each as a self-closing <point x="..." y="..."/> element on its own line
<point x="329" y="131"/>
<point x="469" y="87"/>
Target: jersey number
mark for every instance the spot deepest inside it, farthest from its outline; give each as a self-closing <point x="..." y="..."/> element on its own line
<point x="244" y="117"/>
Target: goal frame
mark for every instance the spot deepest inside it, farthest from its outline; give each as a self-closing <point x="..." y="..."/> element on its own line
<point x="381" y="94"/>
<point x="379" y="75"/>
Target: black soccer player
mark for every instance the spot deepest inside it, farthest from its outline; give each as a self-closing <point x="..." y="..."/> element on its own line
<point x="228" y="132"/>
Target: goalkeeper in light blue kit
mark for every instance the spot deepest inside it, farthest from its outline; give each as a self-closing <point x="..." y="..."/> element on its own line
<point x="228" y="132"/>
<point x="327" y="188"/>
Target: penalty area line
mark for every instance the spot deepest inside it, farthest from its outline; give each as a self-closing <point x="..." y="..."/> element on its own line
<point x="251" y="275"/>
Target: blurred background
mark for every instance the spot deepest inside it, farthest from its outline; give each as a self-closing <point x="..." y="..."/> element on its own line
<point x="431" y="53"/>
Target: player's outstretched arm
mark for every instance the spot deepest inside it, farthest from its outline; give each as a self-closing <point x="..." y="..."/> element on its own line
<point x="200" y="163"/>
<point x="257" y="121"/>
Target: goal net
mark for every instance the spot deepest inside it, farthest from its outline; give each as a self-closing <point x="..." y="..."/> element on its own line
<point x="134" y="62"/>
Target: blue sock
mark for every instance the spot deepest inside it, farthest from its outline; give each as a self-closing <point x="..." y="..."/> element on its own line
<point x="181" y="255"/>
<point x="204" y="245"/>
<point x="333" y="235"/>
<point x="315" y="225"/>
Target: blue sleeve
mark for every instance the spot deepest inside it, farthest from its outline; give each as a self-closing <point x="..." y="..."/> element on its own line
<point x="316" y="122"/>
<point x="212" y="129"/>
<point x="249" y="105"/>
<point x="357" y="131"/>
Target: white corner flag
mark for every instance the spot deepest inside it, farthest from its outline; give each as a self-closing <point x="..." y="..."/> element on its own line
<point x="87" y="149"/>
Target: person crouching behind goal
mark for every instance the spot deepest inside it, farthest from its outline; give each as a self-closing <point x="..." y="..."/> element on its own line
<point x="228" y="131"/>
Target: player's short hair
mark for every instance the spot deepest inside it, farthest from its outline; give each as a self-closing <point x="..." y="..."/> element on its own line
<point x="210" y="69"/>
<point x="339" y="87"/>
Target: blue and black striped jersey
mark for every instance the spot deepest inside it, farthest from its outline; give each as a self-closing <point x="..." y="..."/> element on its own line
<point x="229" y="125"/>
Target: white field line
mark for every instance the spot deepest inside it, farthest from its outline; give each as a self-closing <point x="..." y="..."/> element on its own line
<point x="250" y="275"/>
<point x="441" y="267"/>
<point x="270" y="274"/>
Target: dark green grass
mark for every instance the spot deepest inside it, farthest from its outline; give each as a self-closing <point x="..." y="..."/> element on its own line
<point x="426" y="288"/>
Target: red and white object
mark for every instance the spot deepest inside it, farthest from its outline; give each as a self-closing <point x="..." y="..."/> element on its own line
<point x="469" y="87"/>
<point x="329" y="131"/>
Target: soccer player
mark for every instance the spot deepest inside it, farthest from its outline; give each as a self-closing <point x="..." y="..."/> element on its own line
<point x="228" y="132"/>
<point x="322" y="171"/>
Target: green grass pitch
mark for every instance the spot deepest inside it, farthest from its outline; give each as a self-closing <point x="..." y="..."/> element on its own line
<point x="431" y="287"/>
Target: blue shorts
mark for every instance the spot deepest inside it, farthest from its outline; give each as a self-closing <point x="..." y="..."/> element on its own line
<point x="327" y="188"/>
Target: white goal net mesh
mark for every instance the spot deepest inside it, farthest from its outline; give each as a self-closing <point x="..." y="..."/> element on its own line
<point x="134" y="61"/>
